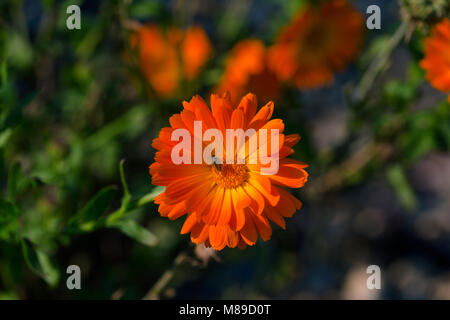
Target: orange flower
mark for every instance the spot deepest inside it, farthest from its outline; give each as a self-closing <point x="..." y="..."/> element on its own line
<point x="321" y="40"/>
<point x="196" y="49"/>
<point x="158" y="57"/>
<point x="164" y="57"/>
<point x="227" y="204"/>
<point x="246" y="71"/>
<point x="437" y="57"/>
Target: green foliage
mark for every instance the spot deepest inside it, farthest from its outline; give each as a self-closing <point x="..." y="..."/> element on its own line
<point x="146" y="10"/>
<point x="62" y="127"/>
<point x="40" y="263"/>
<point x="396" y="176"/>
<point x="132" y="229"/>
<point x="9" y="215"/>
<point x="87" y="218"/>
<point x="426" y="9"/>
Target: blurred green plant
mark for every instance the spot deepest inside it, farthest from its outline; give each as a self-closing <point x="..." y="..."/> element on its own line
<point x="88" y="219"/>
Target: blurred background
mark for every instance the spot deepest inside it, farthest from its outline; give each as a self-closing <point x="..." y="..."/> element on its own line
<point x="74" y="103"/>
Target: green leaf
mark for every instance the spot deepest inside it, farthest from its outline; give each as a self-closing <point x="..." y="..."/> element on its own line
<point x="399" y="94"/>
<point x="40" y="263"/>
<point x="19" y="51"/>
<point x="149" y="197"/>
<point x="145" y="10"/>
<point x="8" y="295"/>
<point x="15" y="181"/>
<point x="9" y="223"/>
<point x="132" y="229"/>
<point x="126" y="192"/>
<point x="416" y="144"/>
<point x="402" y="187"/>
<point x="3" y="72"/>
<point x="14" y="116"/>
<point x="87" y="218"/>
<point x="128" y="206"/>
<point x="130" y="125"/>
<point x="4" y="137"/>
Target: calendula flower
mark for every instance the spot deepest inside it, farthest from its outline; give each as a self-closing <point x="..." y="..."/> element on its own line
<point x="166" y="57"/>
<point x="246" y="70"/>
<point x="195" y="51"/>
<point x="227" y="203"/>
<point x="321" y="40"/>
<point x="437" y="57"/>
<point x="158" y="58"/>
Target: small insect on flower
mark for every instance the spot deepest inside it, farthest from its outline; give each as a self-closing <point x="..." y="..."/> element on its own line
<point x="228" y="203"/>
<point x="216" y="163"/>
<point x="437" y="57"/>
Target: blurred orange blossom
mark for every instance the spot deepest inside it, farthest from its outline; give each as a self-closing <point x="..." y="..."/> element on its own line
<point x="167" y="57"/>
<point x="227" y="204"/>
<point x="320" y="40"/>
<point x="246" y="70"/>
<point x="437" y="57"/>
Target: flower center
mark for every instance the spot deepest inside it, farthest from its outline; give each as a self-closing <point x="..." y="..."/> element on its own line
<point x="229" y="175"/>
<point x="317" y="40"/>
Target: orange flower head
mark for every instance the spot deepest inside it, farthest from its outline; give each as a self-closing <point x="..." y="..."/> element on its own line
<point x="246" y="70"/>
<point x="321" y="40"/>
<point x="158" y="58"/>
<point x="196" y="49"/>
<point x="437" y="57"/>
<point x="166" y="57"/>
<point x="227" y="203"/>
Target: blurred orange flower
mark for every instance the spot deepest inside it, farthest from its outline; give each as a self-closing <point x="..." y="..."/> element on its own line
<point x="166" y="57"/>
<point x="158" y="58"/>
<point x="321" y="40"/>
<point x="246" y="70"/>
<point x="227" y="204"/>
<point x="196" y="49"/>
<point x="437" y="57"/>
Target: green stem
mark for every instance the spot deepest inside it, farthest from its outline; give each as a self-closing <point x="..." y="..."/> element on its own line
<point x="379" y="64"/>
<point x="130" y="206"/>
<point x="155" y="292"/>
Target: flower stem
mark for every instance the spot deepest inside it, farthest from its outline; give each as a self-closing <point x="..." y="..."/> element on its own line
<point x="166" y="277"/>
<point x="378" y="65"/>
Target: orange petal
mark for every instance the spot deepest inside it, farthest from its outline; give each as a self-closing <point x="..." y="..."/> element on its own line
<point x="227" y="209"/>
<point x="248" y="232"/>
<point x="290" y="174"/>
<point x="200" y="233"/>
<point x="217" y="237"/>
<point x="258" y="201"/>
<point x="291" y="140"/>
<point x="288" y="204"/>
<point x="216" y="206"/>
<point x="177" y="211"/>
<point x="232" y="238"/>
<point x="237" y="119"/>
<point x="180" y="189"/>
<point x="262" y="226"/>
<point x="263" y="185"/>
<point x="203" y="113"/>
<point x="275" y="217"/>
<point x="263" y="115"/>
<point x="249" y="105"/>
<point x="198" y="194"/>
<point x="176" y="122"/>
<point x="189" y="223"/>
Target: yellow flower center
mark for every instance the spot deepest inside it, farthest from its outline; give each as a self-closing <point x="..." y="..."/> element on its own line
<point x="229" y="175"/>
